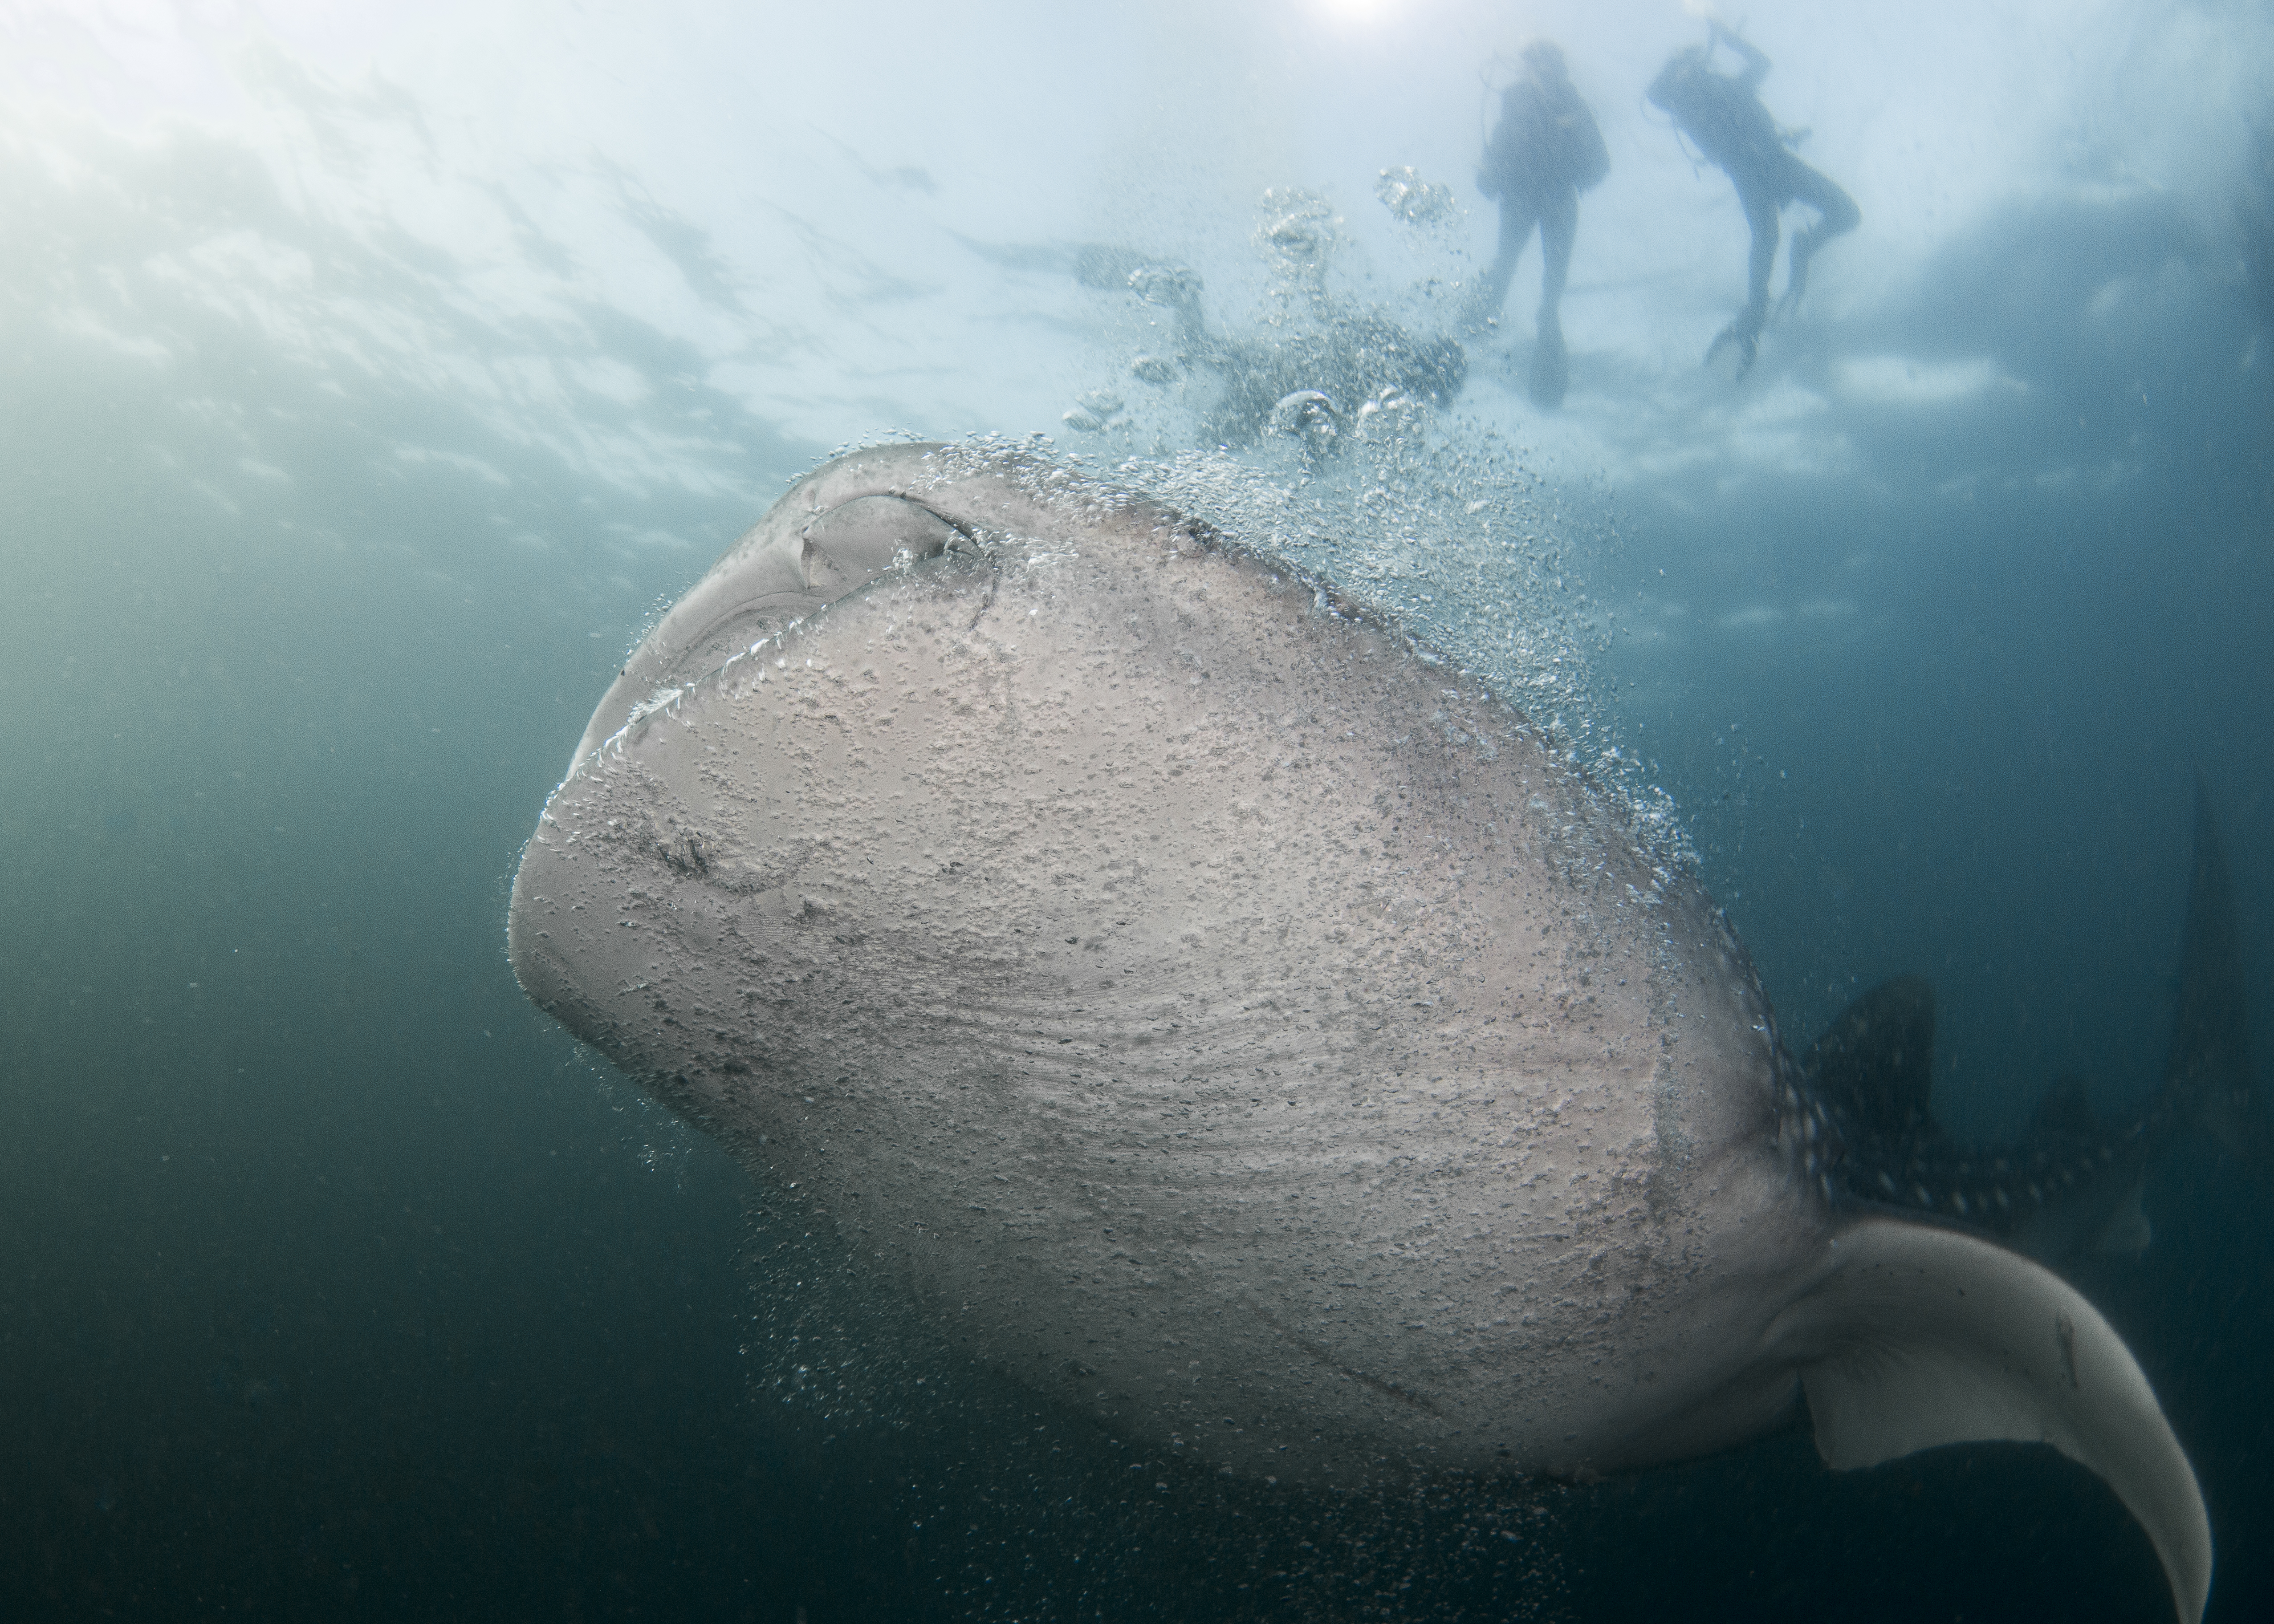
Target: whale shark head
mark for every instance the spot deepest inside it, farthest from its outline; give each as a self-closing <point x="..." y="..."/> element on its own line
<point x="1209" y="1007"/>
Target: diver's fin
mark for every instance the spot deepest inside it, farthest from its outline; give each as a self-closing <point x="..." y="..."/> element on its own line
<point x="2065" y="1112"/>
<point x="2207" y="1072"/>
<point x="1875" y="1062"/>
<point x="1747" y="339"/>
<point x="1922" y="1336"/>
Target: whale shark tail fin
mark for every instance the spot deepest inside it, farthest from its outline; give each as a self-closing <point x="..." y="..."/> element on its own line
<point x="2207" y="1073"/>
<point x="1924" y="1335"/>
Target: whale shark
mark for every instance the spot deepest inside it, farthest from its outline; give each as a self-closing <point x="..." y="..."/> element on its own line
<point x="1193" y="996"/>
<point x="2069" y="1184"/>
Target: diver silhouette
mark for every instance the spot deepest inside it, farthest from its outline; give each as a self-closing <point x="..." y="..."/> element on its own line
<point x="1543" y="153"/>
<point x="1720" y="113"/>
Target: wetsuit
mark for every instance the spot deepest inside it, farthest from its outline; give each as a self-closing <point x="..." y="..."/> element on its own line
<point x="1723" y="116"/>
<point x="1543" y="153"/>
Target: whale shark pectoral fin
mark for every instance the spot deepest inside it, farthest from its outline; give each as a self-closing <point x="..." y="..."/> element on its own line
<point x="1922" y="1336"/>
<point x="2128" y="1232"/>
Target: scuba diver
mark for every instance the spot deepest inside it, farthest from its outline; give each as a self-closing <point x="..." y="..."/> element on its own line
<point x="1543" y="153"/>
<point x="1722" y="115"/>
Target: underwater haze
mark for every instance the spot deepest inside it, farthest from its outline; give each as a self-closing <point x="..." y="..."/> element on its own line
<point x="377" y="374"/>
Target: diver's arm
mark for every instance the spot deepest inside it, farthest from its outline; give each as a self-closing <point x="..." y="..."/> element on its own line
<point x="1756" y="66"/>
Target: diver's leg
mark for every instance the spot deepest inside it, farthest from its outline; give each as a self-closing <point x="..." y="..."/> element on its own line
<point x="1517" y="214"/>
<point x="1746" y="331"/>
<point x="1836" y="216"/>
<point x="1761" y="215"/>
<point x="1559" y="224"/>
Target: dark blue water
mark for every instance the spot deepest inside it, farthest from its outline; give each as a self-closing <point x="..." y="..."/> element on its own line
<point x="340" y="464"/>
